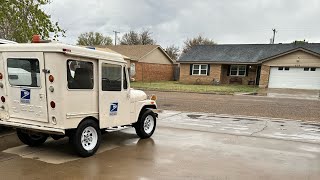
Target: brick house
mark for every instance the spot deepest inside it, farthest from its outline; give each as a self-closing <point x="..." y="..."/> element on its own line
<point x="146" y="62"/>
<point x="294" y="66"/>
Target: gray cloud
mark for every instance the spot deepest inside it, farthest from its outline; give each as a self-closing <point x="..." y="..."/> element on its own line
<point x="172" y="22"/>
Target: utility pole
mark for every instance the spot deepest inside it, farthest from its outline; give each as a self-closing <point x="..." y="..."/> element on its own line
<point x="274" y="35"/>
<point x="115" y="37"/>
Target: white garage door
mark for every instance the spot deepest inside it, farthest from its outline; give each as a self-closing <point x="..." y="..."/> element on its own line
<point x="296" y="78"/>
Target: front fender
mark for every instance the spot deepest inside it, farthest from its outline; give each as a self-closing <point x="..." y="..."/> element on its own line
<point x="145" y="104"/>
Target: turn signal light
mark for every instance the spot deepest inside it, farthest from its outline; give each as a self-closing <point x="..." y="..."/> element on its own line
<point x="53" y="104"/>
<point x="3" y="99"/>
<point x="51" y="78"/>
<point x="153" y="97"/>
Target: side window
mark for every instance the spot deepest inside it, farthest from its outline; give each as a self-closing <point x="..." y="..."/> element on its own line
<point x="79" y="74"/>
<point x="111" y="77"/>
<point x="125" y="81"/>
<point x="23" y="72"/>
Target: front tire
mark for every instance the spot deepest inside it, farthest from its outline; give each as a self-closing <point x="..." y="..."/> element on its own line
<point x="31" y="139"/>
<point x="146" y="124"/>
<point x="86" y="138"/>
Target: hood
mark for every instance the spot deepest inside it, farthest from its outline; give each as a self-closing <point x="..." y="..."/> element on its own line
<point x="137" y="95"/>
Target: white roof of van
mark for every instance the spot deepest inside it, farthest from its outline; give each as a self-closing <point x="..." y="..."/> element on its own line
<point x="61" y="48"/>
<point x="4" y="41"/>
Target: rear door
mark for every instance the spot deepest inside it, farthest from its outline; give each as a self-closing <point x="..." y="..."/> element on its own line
<point x="114" y="99"/>
<point x="26" y="89"/>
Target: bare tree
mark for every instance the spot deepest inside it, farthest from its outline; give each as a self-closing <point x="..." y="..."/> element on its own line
<point x="135" y="38"/>
<point x="199" y="40"/>
<point x="130" y="38"/>
<point x="93" y="39"/>
<point x="173" y="52"/>
<point x="145" y="38"/>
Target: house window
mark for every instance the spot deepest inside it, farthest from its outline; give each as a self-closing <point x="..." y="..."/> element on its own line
<point x="200" y="69"/>
<point x="306" y="69"/>
<point x="238" y="70"/>
<point x="286" y="68"/>
<point x="313" y="69"/>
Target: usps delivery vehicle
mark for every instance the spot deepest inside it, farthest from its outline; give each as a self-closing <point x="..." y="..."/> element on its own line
<point x="58" y="90"/>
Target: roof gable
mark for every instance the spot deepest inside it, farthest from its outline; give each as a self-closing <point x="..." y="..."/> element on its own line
<point x="242" y="53"/>
<point x="135" y="52"/>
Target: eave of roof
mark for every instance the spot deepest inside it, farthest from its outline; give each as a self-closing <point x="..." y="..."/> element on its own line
<point x="244" y="53"/>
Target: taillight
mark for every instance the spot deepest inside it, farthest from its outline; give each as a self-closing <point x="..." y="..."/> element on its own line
<point x="53" y="104"/>
<point x="1" y="76"/>
<point x="3" y="99"/>
<point x="51" y="78"/>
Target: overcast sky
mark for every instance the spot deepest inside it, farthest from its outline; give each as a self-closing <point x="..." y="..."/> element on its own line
<point x="173" y="21"/>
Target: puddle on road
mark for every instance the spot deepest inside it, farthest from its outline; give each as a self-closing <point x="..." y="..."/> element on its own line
<point x="59" y="152"/>
<point x="311" y="124"/>
<point x="278" y="122"/>
<point x="194" y="116"/>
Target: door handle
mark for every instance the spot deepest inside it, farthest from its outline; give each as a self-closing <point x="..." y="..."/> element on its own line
<point x="41" y="96"/>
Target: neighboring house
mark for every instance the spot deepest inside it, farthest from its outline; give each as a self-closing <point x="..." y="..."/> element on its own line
<point x="267" y="65"/>
<point x="146" y="62"/>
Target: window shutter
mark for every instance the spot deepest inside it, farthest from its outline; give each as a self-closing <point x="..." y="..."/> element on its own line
<point x="228" y="72"/>
<point x="208" y="71"/>
<point x="247" y="70"/>
<point x="191" y="65"/>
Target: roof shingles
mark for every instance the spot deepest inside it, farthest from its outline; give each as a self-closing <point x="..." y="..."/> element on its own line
<point x="242" y="53"/>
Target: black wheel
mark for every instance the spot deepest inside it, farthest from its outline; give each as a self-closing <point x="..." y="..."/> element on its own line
<point x="86" y="138"/>
<point x="146" y="124"/>
<point x="31" y="139"/>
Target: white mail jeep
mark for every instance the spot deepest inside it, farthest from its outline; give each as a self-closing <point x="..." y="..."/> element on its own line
<point x="58" y="90"/>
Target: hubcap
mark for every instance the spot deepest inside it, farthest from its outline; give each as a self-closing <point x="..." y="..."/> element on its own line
<point x="148" y="124"/>
<point x="89" y="138"/>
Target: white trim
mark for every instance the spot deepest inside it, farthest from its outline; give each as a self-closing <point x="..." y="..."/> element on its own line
<point x="200" y="69"/>
<point x="238" y="67"/>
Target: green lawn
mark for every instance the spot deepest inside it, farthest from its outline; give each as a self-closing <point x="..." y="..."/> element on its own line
<point x="176" y="86"/>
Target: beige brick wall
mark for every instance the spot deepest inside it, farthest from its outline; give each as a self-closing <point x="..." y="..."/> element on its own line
<point x="153" y="72"/>
<point x="185" y="77"/>
<point x="264" y="77"/>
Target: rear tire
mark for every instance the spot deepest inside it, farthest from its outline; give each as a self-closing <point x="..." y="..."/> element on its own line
<point x="146" y="124"/>
<point x="86" y="138"/>
<point x="30" y="139"/>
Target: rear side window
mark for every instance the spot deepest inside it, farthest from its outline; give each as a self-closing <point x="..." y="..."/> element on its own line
<point x="23" y="72"/>
<point x="79" y="74"/>
<point x="111" y="77"/>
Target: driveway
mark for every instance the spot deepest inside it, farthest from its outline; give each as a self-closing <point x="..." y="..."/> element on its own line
<point x="249" y="105"/>
<point x="290" y="93"/>
<point x="185" y="145"/>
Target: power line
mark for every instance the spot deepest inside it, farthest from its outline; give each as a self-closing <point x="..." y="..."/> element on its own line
<point x="115" y="37"/>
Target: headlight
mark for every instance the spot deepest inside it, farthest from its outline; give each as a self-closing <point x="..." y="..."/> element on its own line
<point x="153" y="97"/>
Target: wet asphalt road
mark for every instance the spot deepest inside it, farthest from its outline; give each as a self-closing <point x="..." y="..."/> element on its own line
<point x="178" y="150"/>
<point x="299" y="109"/>
<point x="188" y="145"/>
